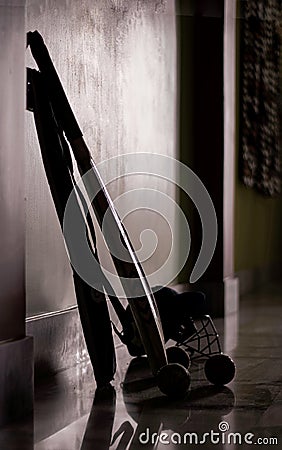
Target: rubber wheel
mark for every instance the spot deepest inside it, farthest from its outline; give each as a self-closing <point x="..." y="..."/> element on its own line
<point x="220" y="369"/>
<point x="178" y="355"/>
<point x="173" y="380"/>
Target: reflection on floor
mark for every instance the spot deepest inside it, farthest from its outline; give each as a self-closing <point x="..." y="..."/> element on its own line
<point x="70" y="415"/>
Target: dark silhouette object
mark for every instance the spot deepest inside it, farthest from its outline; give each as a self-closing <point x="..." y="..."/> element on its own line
<point x="92" y="305"/>
<point x="142" y="327"/>
<point x="54" y="119"/>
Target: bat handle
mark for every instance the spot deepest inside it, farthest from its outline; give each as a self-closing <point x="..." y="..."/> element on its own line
<point x="81" y="154"/>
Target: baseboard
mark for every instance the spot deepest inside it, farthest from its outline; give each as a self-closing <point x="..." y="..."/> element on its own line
<point x="231" y="295"/>
<point x="252" y="279"/>
<point x="16" y="379"/>
<point x="58" y="341"/>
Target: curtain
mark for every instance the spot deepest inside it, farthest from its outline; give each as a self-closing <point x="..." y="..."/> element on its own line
<point x="260" y="96"/>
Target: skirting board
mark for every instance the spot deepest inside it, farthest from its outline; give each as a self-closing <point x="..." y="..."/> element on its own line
<point x="16" y="379"/>
<point x="252" y="279"/>
<point x="58" y="341"/>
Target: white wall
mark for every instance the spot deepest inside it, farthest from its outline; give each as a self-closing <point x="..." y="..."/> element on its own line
<point x="117" y="62"/>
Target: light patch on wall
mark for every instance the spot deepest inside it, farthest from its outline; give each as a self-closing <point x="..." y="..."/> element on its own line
<point x="117" y="62"/>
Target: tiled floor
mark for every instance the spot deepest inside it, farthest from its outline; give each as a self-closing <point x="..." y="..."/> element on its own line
<point x="69" y="415"/>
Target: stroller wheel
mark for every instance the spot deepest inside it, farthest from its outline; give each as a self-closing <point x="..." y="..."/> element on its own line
<point x="173" y="380"/>
<point x="178" y="355"/>
<point x="220" y="369"/>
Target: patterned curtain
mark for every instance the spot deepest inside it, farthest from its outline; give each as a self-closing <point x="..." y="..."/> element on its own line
<point x="260" y="114"/>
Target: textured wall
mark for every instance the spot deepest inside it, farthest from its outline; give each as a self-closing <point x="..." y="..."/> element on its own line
<point x="117" y="62"/>
<point x="258" y="219"/>
<point x="12" y="98"/>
